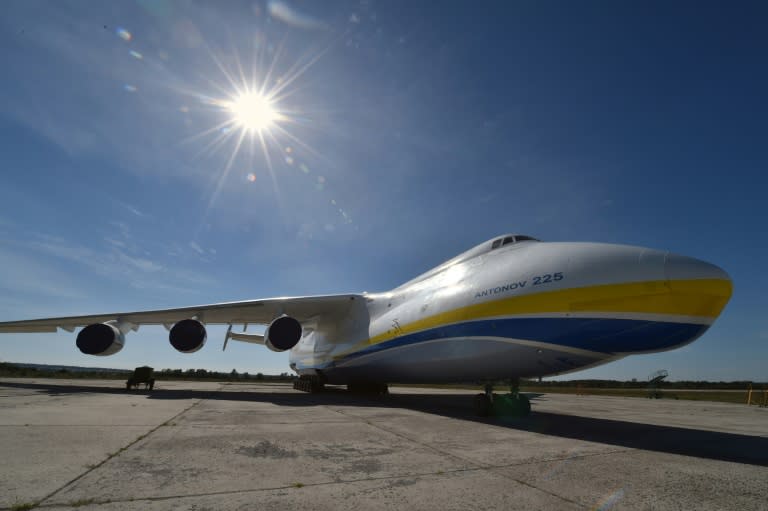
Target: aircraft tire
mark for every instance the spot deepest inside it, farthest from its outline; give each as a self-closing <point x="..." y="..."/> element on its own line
<point x="511" y="406"/>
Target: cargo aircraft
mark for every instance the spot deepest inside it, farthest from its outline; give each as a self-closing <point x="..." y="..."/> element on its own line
<point x="509" y="308"/>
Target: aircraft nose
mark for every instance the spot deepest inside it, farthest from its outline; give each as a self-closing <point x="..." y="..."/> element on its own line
<point x="703" y="287"/>
<point x="678" y="267"/>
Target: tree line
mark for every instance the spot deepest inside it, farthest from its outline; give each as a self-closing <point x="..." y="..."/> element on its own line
<point x="26" y="371"/>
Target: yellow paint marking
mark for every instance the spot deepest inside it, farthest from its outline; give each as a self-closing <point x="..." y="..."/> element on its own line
<point x="699" y="297"/>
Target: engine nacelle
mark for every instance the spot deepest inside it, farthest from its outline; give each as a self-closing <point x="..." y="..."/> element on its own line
<point x="188" y="335"/>
<point x="282" y="334"/>
<point x="100" y="339"/>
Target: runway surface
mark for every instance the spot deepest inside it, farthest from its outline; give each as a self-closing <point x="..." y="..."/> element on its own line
<point x="212" y="446"/>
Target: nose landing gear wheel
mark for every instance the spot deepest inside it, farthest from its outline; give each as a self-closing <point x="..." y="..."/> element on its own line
<point x="509" y="405"/>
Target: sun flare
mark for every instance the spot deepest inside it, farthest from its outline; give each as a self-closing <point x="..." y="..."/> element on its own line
<point x="254" y="115"/>
<point x="253" y="112"/>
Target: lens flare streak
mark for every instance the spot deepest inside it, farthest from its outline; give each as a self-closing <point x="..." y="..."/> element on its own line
<point x="123" y="34"/>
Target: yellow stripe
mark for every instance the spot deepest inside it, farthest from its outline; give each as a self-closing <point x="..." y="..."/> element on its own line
<point x="700" y="297"/>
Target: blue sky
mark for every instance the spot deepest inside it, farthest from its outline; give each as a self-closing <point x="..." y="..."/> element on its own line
<point x="410" y="131"/>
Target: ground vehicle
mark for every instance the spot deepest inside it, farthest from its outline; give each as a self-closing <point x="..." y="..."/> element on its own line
<point x="141" y="375"/>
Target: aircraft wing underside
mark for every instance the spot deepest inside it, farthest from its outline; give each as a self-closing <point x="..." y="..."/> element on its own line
<point x="303" y="308"/>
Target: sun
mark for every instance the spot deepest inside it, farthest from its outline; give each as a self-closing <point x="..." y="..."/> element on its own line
<point x="253" y="112"/>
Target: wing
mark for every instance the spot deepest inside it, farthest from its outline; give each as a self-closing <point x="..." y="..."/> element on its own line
<point x="303" y="308"/>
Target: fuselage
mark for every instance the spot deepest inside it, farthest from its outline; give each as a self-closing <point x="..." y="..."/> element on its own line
<point x="523" y="308"/>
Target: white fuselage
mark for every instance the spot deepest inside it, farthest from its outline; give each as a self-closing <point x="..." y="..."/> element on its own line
<point x="524" y="309"/>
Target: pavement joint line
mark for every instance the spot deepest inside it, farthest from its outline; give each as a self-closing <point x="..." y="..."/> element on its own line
<point x="535" y="466"/>
<point x="39" y="503"/>
<point x="349" y="481"/>
<point x="474" y="467"/>
<point x="229" y="426"/>
<point x="423" y="444"/>
<point x="72" y="425"/>
<point x="479" y="465"/>
<point x="291" y="486"/>
<point x="564" y="458"/>
<point x="529" y="485"/>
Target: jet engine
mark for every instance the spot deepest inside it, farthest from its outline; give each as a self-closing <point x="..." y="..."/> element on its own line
<point x="282" y="334"/>
<point x="188" y="335"/>
<point x="100" y="339"/>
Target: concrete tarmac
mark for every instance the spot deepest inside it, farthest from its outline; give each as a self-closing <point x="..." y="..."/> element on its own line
<point x="212" y="446"/>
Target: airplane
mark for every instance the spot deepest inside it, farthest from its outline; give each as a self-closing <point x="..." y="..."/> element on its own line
<point x="511" y="307"/>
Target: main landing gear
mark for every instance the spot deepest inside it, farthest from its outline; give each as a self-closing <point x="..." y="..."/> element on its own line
<point x="311" y="384"/>
<point x="316" y="383"/>
<point x="513" y="404"/>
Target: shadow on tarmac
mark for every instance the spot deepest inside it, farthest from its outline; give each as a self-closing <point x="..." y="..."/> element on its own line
<point x="714" y="445"/>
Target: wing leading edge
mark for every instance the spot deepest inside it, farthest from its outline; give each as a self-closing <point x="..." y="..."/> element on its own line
<point x="303" y="308"/>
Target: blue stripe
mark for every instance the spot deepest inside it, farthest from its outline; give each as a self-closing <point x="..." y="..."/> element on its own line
<point x="593" y="334"/>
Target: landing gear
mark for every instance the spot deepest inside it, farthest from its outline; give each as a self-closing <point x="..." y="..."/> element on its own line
<point x="513" y="404"/>
<point x="375" y="389"/>
<point x="311" y="384"/>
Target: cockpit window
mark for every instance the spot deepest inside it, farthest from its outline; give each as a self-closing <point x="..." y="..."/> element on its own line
<point x="507" y="240"/>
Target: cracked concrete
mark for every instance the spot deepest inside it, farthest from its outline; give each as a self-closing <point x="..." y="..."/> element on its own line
<point x="192" y="445"/>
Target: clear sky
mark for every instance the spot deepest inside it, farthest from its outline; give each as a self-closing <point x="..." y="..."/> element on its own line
<point x="406" y="133"/>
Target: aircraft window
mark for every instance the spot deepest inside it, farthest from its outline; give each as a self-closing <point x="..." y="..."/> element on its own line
<point x="508" y="240"/>
<point x="496" y="244"/>
<point x="525" y="238"/>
